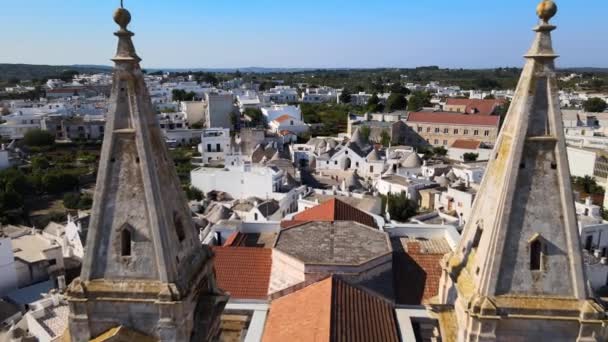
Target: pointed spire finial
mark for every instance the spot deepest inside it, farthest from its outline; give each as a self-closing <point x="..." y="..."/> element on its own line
<point x="546" y="10"/>
<point x="126" y="50"/>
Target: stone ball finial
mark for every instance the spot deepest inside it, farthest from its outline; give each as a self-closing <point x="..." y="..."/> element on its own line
<point x="546" y="10"/>
<point x="122" y="17"/>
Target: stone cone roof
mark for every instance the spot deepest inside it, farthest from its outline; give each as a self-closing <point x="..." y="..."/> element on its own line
<point x="373" y="155"/>
<point x="412" y="161"/>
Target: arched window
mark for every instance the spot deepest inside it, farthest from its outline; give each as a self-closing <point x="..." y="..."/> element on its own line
<point x="536" y="254"/>
<point x="125" y="242"/>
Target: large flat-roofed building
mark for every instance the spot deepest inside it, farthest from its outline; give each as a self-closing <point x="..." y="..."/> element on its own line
<point x="443" y="128"/>
<point x="313" y="250"/>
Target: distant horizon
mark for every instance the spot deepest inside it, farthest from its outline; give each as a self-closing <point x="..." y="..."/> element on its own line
<point x="247" y="69"/>
<point x="318" y="34"/>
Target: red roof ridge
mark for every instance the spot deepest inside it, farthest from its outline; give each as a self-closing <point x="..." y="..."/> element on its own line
<point x="335" y="210"/>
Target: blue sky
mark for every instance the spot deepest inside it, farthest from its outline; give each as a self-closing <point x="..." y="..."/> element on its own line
<point x="311" y="33"/>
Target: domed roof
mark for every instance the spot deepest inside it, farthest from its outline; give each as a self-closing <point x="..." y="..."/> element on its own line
<point x="412" y="161"/>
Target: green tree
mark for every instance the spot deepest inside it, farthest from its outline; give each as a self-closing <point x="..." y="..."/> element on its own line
<point x="397" y="88"/>
<point x="418" y="100"/>
<point x="385" y="138"/>
<point x="365" y="132"/>
<point x="38" y="138"/>
<point x="40" y="162"/>
<point x="258" y="119"/>
<point x="595" y="105"/>
<point x="70" y="200"/>
<point x="194" y="194"/>
<point x="374" y="105"/>
<point x="400" y="207"/>
<point x="470" y="157"/>
<point x="396" y="101"/>
<point x="345" y="97"/>
<point x="440" y="151"/>
<point x="587" y="185"/>
<point x="58" y="181"/>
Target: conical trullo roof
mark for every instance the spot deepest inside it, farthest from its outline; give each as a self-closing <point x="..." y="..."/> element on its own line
<point x="357" y="139"/>
<point x="275" y="156"/>
<point x="412" y="161"/>
<point x="373" y="155"/>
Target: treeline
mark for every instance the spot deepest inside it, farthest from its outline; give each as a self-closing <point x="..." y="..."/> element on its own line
<point x="22" y="72"/>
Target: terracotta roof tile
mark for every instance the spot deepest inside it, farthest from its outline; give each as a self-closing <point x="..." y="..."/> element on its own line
<point x="244" y="272"/>
<point x="417" y="273"/>
<point x="331" y="310"/>
<point x="466" y="144"/>
<point x="476" y="106"/>
<point x="284" y="117"/>
<point x="336" y="210"/>
<point x="449" y="118"/>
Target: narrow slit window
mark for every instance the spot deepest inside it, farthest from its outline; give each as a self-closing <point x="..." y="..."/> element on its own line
<point x="477" y="237"/>
<point x="125" y="243"/>
<point x="179" y="227"/>
<point x="536" y="254"/>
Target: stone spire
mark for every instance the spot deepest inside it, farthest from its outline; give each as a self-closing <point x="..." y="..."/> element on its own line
<point x="144" y="268"/>
<point x="518" y="270"/>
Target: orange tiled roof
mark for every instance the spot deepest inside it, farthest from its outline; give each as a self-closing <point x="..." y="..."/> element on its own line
<point x="244" y="272"/>
<point x="335" y="210"/>
<point x="466" y="144"/>
<point x="331" y="310"/>
<point x="284" y="117"/>
<point x="448" y="118"/>
<point x="479" y="107"/>
<point x="417" y="274"/>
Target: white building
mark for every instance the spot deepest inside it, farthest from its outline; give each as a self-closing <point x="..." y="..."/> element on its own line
<point x="319" y="95"/>
<point x="215" y="144"/>
<point x="287" y="123"/>
<point x="17" y="125"/>
<point x="273" y="112"/>
<point x="36" y="257"/>
<point x="249" y="99"/>
<point x="67" y="236"/>
<point x="396" y="184"/>
<point x="244" y="181"/>
<point x="194" y="111"/>
<point x="241" y="181"/>
<point x="8" y="280"/>
<point x="457" y="199"/>
<point x="47" y="319"/>
<point x="220" y="108"/>
<point x="588" y="162"/>
<point x="280" y="94"/>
